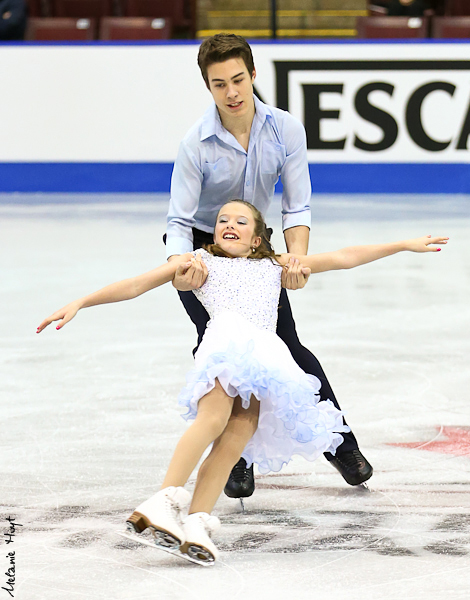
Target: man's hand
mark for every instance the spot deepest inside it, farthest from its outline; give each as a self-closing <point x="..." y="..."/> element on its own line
<point x="191" y="275"/>
<point x="294" y="275"/>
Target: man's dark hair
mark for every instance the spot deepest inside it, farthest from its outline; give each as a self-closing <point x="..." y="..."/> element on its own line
<point x="222" y="47"/>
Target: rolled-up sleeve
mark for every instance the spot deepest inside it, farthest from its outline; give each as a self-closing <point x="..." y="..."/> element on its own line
<point x="295" y="177"/>
<point x="185" y="191"/>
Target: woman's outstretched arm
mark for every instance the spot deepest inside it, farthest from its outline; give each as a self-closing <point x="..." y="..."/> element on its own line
<point x="117" y="292"/>
<point x="351" y="257"/>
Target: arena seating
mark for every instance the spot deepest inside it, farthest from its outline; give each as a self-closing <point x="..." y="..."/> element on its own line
<point x="35" y="8"/>
<point x="392" y="27"/>
<point x="83" y="8"/>
<point x="179" y="16"/>
<point x="458" y="8"/>
<point x="174" y="10"/>
<point x="56" y="30"/>
<point x="451" y="27"/>
<point x="134" y="28"/>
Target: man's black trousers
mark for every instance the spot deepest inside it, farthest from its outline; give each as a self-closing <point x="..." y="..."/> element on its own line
<point x="285" y="330"/>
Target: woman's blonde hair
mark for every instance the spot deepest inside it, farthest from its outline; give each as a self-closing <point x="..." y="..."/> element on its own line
<point x="264" y="250"/>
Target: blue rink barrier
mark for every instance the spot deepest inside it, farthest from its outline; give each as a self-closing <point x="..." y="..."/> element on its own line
<point x="327" y="178"/>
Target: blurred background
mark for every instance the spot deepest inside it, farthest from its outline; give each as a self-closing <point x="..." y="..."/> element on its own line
<point x="189" y="19"/>
<point x="97" y="94"/>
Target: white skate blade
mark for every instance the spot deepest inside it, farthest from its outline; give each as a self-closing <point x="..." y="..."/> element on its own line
<point x="174" y="551"/>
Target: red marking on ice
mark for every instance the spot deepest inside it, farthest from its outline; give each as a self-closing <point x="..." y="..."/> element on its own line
<point x="456" y="442"/>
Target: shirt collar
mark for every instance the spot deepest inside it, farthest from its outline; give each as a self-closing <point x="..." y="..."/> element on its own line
<point x="212" y="125"/>
<point x="210" y="120"/>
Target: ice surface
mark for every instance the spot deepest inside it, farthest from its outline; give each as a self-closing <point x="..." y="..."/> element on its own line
<point x="89" y="418"/>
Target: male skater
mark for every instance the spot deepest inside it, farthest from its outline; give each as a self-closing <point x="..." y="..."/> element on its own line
<point x="239" y="149"/>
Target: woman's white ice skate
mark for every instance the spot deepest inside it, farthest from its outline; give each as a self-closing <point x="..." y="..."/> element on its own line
<point x="162" y="514"/>
<point x="198" y="546"/>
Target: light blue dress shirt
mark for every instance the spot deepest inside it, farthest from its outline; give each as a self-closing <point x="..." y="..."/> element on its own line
<point x="212" y="168"/>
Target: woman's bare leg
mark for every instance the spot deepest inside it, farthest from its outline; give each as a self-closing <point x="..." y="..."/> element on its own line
<point x="214" y="471"/>
<point x="213" y="413"/>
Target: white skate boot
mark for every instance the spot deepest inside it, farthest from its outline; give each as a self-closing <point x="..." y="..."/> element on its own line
<point x="162" y="514"/>
<point x="198" y="546"/>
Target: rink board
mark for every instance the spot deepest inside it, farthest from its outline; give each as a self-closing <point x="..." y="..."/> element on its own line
<point x="99" y="117"/>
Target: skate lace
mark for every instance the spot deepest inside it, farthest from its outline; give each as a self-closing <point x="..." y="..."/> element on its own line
<point x="240" y="473"/>
<point x="172" y="509"/>
<point x="204" y="525"/>
<point x="352" y="459"/>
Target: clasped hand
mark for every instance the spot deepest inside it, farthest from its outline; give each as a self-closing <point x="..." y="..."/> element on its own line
<point x="294" y="275"/>
<point x="192" y="275"/>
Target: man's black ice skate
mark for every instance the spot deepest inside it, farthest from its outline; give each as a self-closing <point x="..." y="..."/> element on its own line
<point x="241" y="482"/>
<point x="353" y="466"/>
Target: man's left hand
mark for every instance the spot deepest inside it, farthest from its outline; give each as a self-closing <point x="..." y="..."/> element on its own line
<point x="294" y="275"/>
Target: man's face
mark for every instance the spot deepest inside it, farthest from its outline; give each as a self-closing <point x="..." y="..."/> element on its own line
<point x="231" y="87"/>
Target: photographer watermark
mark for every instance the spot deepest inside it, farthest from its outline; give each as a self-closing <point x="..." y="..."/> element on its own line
<point x="11" y="557"/>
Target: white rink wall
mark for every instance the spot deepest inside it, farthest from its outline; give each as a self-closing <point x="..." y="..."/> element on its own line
<point x="385" y="110"/>
<point x="136" y="102"/>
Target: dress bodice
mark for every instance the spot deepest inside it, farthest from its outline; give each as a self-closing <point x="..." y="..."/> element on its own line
<point x="247" y="286"/>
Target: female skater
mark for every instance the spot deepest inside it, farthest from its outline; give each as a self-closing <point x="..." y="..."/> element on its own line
<point x="246" y="394"/>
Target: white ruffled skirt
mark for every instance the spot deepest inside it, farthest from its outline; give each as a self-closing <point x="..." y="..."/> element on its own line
<point x="249" y="361"/>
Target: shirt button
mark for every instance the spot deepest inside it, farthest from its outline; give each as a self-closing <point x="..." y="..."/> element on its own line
<point x="247" y="183"/>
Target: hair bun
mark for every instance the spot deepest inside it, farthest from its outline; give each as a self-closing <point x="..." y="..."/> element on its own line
<point x="268" y="232"/>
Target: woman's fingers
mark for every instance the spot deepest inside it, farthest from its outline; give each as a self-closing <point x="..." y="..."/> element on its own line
<point x="49" y="320"/>
<point x="64" y="315"/>
<point x="43" y="325"/>
<point x="65" y="320"/>
<point x="431" y="241"/>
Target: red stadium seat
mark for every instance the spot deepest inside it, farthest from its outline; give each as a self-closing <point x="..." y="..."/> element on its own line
<point x="451" y="27"/>
<point x="134" y="28"/>
<point x="172" y="9"/>
<point x="458" y="8"/>
<point x="58" y="30"/>
<point x="391" y="27"/>
<point x="92" y="9"/>
<point x="35" y="8"/>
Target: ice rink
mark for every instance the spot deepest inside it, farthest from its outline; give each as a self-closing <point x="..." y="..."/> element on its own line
<point x="89" y="416"/>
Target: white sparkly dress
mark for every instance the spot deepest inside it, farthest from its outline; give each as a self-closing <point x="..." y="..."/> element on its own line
<point x="240" y="348"/>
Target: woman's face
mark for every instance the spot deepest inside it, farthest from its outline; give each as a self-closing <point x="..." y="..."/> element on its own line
<point x="235" y="230"/>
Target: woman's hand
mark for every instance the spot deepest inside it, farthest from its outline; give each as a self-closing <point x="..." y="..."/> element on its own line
<point x="190" y="275"/>
<point x="64" y="315"/>
<point x="294" y="275"/>
<point x="423" y="244"/>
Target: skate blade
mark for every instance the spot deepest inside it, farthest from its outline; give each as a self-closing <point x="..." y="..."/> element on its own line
<point x="159" y="539"/>
<point x="197" y="554"/>
<point x="137" y="522"/>
<point x="173" y="551"/>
